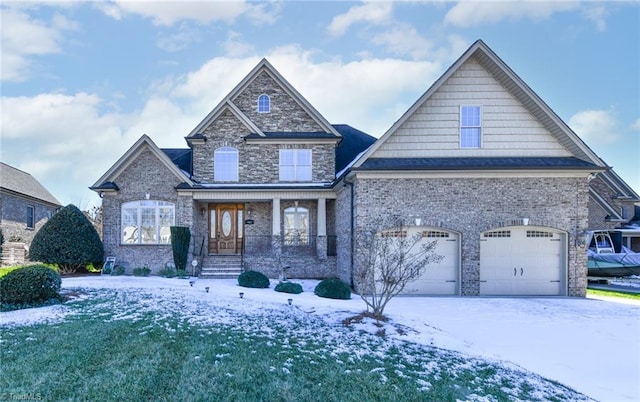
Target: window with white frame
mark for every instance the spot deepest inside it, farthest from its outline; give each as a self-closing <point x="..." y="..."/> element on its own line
<point x="470" y="126"/>
<point x="225" y="164"/>
<point x="264" y="104"/>
<point x="295" y="165"/>
<point x="147" y="222"/>
<point x="31" y="217"/>
<point x="296" y="226"/>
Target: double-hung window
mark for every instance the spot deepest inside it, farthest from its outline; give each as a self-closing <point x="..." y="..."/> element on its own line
<point x="296" y="226"/>
<point x="470" y="126"/>
<point x="225" y="164"/>
<point x="295" y="165"/>
<point x="31" y="217"/>
<point x="147" y="222"/>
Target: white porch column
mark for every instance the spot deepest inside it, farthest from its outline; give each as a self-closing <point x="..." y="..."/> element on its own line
<point x="275" y="216"/>
<point x="321" y="239"/>
<point x="322" y="217"/>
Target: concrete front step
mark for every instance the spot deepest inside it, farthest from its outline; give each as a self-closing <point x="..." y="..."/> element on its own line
<point x="221" y="267"/>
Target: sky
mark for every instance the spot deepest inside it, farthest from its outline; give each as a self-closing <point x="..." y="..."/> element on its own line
<point x="556" y="338"/>
<point x="82" y="81"/>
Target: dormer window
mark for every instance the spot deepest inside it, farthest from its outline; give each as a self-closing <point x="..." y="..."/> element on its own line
<point x="264" y="104"/>
<point x="470" y="126"/>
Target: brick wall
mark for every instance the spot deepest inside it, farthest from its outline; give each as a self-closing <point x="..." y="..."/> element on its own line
<point x="472" y="206"/>
<point x="13" y="217"/>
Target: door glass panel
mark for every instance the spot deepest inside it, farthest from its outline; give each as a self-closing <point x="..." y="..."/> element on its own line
<point x="240" y="223"/>
<point x="212" y="223"/>
<point x="226" y="223"/>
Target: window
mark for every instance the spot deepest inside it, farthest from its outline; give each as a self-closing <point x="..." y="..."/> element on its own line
<point x="498" y="233"/>
<point x="147" y="222"/>
<point x="225" y="164"/>
<point x="264" y="104"/>
<point x="31" y="217"/>
<point x="296" y="226"/>
<point x="470" y="126"/>
<point x="295" y="165"/>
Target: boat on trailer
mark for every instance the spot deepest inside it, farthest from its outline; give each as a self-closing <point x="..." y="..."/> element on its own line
<point x="607" y="256"/>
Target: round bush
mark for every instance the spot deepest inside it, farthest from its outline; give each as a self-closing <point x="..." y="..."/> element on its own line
<point x="289" y="287"/>
<point x="253" y="279"/>
<point x="333" y="288"/>
<point x="34" y="283"/>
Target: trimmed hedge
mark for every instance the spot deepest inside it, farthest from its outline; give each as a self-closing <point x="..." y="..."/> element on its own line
<point x="34" y="283"/>
<point x="289" y="287"/>
<point x="253" y="279"/>
<point x="333" y="288"/>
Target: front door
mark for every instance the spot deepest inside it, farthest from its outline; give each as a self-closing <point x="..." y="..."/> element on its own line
<point x="225" y="228"/>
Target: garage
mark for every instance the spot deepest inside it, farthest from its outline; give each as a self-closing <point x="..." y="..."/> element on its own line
<point x="440" y="278"/>
<point x="523" y="260"/>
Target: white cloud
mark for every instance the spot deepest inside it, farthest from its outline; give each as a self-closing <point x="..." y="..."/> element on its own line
<point x="179" y="40"/>
<point x="24" y="37"/>
<point x="473" y="13"/>
<point x="596" y="13"/>
<point x="636" y="125"/>
<point x="234" y="46"/>
<point x="595" y="127"/>
<point x="373" y="13"/>
<point x="168" y="13"/>
<point x="404" y="39"/>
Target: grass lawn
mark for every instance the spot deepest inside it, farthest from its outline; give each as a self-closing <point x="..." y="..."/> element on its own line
<point x="612" y="293"/>
<point x="115" y="345"/>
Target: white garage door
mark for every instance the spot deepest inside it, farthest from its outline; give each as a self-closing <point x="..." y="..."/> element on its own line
<point x="439" y="278"/>
<point x="522" y="260"/>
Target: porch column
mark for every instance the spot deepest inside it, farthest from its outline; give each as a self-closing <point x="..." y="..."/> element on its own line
<point x="276" y="247"/>
<point x="321" y="239"/>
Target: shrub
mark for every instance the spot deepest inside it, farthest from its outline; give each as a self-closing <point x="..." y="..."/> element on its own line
<point x="69" y="240"/>
<point x="253" y="279"/>
<point x="167" y="272"/>
<point x="333" y="288"/>
<point x="182" y="273"/>
<point x="34" y="283"/>
<point x="118" y="270"/>
<point x="180" y="238"/>
<point x="141" y="271"/>
<point x="289" y="287"/>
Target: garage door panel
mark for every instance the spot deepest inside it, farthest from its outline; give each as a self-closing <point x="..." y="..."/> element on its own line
<point x="522" y="261"/>
<point x="439" y="278"/>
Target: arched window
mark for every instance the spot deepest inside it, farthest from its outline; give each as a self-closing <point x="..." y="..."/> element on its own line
<point x="264" y="104"/>
<point x="147" y="222"/>
<point x="225" y="164"/>
<point x="296" y="226"/>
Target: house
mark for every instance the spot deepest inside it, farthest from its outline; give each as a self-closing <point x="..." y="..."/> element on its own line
<point x="479" y="163"/>
<point x="25" y="206"/>
<point x="255" y="186"/>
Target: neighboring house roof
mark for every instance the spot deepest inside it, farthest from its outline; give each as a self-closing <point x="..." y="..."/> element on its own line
<point x="514" y="85"/>
<point x="475" y="163"/>
<point x="612" y="214"/>
<point x="107" y="181"/>
<point x="227" y="103"/>
<point x="620" y="187"/>
<point x="19" y="182"/>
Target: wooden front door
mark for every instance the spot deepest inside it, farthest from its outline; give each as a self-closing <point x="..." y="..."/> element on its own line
<point x="225" y="228"/>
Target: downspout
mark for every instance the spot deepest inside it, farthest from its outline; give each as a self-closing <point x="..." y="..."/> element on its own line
<point x="351" y="183"/>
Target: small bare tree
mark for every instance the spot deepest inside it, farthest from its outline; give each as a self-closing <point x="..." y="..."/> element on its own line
<point x="387" y="258"/>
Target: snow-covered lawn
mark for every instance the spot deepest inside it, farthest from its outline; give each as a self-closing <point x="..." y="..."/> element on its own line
<point x="590" y="345"/>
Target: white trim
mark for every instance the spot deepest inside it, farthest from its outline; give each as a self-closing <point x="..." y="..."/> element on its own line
<point x="223" y="195"/>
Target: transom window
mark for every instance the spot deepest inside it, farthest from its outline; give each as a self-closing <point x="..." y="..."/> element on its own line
<point x="264" y="104"/>
<point x="295" y="165"/>
<point x="147" y="222"/>
<point x="470" y="126"/>
<point x="498" y="233"/>
<point x="225" y="164"/>
<point x="296" y="226"/>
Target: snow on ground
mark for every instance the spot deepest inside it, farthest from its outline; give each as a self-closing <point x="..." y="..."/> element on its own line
<point x="591" y="345"/>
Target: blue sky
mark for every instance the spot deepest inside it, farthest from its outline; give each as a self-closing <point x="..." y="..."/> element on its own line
<point x="82" y="81"/>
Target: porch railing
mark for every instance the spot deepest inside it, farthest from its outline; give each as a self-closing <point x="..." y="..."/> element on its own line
<point x="287" y="244"/>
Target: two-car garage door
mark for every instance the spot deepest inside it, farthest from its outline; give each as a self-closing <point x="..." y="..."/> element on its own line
<point x="523" y="260"/>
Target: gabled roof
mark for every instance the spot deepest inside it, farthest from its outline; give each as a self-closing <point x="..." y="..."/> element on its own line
<point x="612" y="214"/>
<point x="619" y="186"/>
<point x="517" y="87"/>
<point x="353" y="143"/>
<point x="107" y="181"/>
<point x="263" y="65"/>
<point x="22" y="183"/>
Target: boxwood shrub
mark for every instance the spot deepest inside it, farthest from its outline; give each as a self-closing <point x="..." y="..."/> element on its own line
<point x="253" y="279"/>
<point x="289" y="287"/>
<point x="333" y="288"/>
<point x="31" y="284"/>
